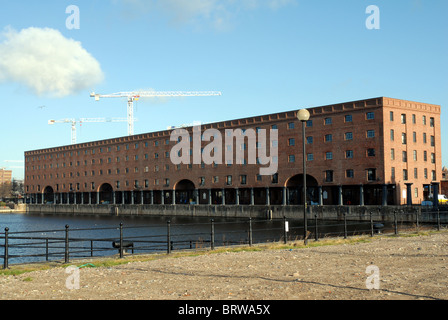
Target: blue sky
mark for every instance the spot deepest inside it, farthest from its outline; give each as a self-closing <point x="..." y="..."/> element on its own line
<point x="265" y="56"/>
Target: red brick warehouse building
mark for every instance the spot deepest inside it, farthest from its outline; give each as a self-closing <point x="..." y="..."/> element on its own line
<point x="378" y="151"/>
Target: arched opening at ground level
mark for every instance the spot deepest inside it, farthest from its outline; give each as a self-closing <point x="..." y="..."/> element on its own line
<point x="185" y="192"/>
<point x="294" y="194"/>
<point x="106" y="194"/>
<point x="48" y="195"/>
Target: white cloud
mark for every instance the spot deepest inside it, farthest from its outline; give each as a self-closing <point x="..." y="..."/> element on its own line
<point x="46" y="62"/>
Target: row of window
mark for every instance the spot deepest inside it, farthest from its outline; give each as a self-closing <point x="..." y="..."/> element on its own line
<point x="414" y="138"/>
<point x="415" y="172"/>
<point x="404" y="156"/>
<point x="414" y="119"/>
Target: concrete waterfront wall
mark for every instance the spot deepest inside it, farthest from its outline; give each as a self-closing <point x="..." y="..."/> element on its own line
<point x="353" y="213"/>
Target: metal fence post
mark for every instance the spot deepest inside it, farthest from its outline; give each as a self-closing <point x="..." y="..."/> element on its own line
<point x="371" y="224"/>
<point x="345" y="225"/>
<point x="316" y="236"/>
<point x="121" y="240"/>
<point x="395" y="222"/>
<point x="5" y="261"/>
<point x="212" y="234"/>
<point x="46" y="249"/>
<point x="416" y="220"/>
<point x="66" y="258"/>
<point x="284" y="230"/>
<point x="168" y="236"/>
<point x="438" y="219"/>
<point x="250" y="232"/>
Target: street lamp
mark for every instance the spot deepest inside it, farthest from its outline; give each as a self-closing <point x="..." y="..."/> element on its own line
<point x="303" y="115"/>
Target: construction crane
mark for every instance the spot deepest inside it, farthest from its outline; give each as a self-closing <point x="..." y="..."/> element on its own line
<point x="73" y="123"/>
<point x="135" y="95"/>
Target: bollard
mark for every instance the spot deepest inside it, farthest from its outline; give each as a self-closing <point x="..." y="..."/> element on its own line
<point x="5" y="261"/>
<point x="66" y="255"/>
<point x="212" y="235"/>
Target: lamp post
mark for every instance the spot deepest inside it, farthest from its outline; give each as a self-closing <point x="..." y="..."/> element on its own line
<point x="303" y="115"/>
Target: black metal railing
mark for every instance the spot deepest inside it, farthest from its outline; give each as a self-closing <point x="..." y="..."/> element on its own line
<point x="70" y="243"/>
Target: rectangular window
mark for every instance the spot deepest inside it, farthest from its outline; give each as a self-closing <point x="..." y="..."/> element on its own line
<point x="433" y="158"/>
<point x="229" y="180"/>
<point x="392" y="135"/>
<point x="370" y="133"/>
<point x="405" y="174"/>
<point x="415" y="173"/>
<point x="349" y="136"/>
<point x="328" y="155"/>
<point x="291" y="141"/>
<point x="349" y="173"/>
<point x="425" y="173"/>
<point x="424" y="120"/>
<point x="370" y="115"/>
<point x="328" y="138"/>
<point x="329" y="176"/>
<point x="433" y="141"/>
<point x="370" y="152"/>
<point x="309" y="123"/>
<point x="309" y="140"/>
<point x="414" y="155"/>
<point x="431" y="122"/>
<point x="371" y="174"/>
<point x="425" y="156"/>
<point x="403" y="118"/>
<point x="404" y="156"/>
<point x="414" y="137"/>
<point x="328" y="121"/>
<point x="403" y="138"/>
<point x="310" y="157"/>
<point x="291" y="158"/>
<point x="243" y="179"/>
<point x="348" y="118"/>
<point x="391" y="116"/>
<point x="415" y="192"/>
<point x="349" y="154"/>
<point x="291" y="125"/>
<point x="424" y="137"/>
<point x="392" y="154"/>
<point x="274" y="178"/>
<point x="433" y="175"/>
<point x="413" y="118"/>
<point x="392" y="173"/>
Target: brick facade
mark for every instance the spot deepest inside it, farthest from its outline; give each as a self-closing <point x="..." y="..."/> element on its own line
<point x="348" y="151"/>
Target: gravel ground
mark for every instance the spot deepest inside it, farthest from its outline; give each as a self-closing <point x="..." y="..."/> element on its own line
<point x="407" y="267"/>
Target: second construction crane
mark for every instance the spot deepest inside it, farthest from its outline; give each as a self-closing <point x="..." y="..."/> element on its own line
<point x="73" y="122"/>
<point x="135" y="95"/>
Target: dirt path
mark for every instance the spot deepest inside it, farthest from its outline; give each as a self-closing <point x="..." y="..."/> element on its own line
<point x="407" y="268"/>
